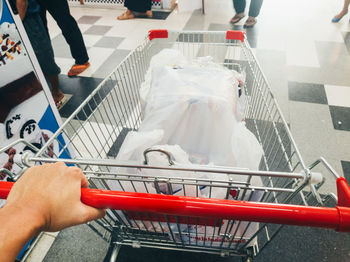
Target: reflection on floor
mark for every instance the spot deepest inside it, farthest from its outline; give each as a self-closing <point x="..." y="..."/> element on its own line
<point x="306" y="60"/>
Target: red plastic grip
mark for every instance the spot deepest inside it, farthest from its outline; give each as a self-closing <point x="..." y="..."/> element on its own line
<point x="343" y="190"/>
<point x="5" y="188"/>
<point x="158" y="33"/>
<point x="337" y="218"/>
<point x="235" y="35"/>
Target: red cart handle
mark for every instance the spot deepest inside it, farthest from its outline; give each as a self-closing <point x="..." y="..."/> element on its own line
<point x="163" y="33"/>
<point x="337" y="218"/>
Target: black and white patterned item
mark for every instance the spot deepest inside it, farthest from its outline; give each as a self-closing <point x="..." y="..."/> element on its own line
<point x="18" y="127"/>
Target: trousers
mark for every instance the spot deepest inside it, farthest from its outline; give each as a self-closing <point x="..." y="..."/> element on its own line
<point x="59" y="10"/>
<point x="254" y="8"/>
<point x="138" y="5"/>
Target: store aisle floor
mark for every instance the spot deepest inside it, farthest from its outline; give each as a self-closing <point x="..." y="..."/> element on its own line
<point x="306" y="59"/>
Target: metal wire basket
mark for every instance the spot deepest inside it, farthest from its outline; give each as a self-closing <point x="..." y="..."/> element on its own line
<point x="91" y="137"/>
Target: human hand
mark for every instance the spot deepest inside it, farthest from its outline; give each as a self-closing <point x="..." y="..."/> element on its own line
<point x="50" y="196"/>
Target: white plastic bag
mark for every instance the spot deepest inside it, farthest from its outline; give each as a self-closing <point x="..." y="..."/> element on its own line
<point x="134" y="145"/>
<point x="195" y="105"/>
<point x="166" y="57"/>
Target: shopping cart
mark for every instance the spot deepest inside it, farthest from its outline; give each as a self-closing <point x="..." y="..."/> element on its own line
<point x="239" y="225"/>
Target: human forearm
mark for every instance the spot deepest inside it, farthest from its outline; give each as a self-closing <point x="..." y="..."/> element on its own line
<point x="45" y="198"/>
<point x="22" y="8"/>
<point x="17" y="226"/>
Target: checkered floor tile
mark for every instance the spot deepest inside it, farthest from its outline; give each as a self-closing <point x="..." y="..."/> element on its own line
<point x="306" y="92"/>
<point x="337" y="97"/>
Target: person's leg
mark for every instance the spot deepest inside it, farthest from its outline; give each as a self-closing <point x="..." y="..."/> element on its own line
<point x="343" y="12"/>
<point x="43" y="15"/>
<point x="128" y="14"/>
<point x="144" y="8"/>
<point x="239" y="6"/>
<point x="44" y="53"/>
<point x="140" y="6"/>
<point x="59" y="10"/>
<point x="148" y="8"/>
<point x="56" y="92"/>
<point x="255" y="6"/>
<point x="254" y="10"/>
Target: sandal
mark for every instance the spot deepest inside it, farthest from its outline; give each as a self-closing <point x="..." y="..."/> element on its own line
<point x="250" y="22"/>
<point x="59" y="104"/>
<point x="237" y="18"/>
<point x="125" y="16"/>
<point x="78" y="69"/>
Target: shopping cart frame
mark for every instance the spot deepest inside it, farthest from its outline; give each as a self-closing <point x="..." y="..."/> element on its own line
<point x="87" y="133"/>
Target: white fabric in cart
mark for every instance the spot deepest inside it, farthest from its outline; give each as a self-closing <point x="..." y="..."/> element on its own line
<point x="190" y="110"/>
<point x="132" y="150"/>
<point x="192" y="99"/>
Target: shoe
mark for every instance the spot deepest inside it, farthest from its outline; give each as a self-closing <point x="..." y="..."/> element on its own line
<point x="237" y="18"/>
<point x="335" y="19"/>
<point x="126" y="16"/>
<point x="78" y="69"/>
<point x="250" y="23"/>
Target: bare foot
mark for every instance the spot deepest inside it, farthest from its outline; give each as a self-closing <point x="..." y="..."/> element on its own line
<point x="127" y="15"/>
<point x="57" y="95"/>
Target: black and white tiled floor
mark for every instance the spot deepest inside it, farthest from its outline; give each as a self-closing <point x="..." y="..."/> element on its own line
<point x="79" y="88"/>
<point x="306" y="59"/>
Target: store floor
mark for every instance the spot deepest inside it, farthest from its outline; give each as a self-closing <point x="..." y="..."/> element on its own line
<point x="306" y="59"/>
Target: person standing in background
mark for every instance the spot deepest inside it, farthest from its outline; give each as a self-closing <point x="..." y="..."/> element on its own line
<point x="29" y="12"/>
<point x="254" y="10"/>
<point x="342" y="13"/>
<point x="59" y="10"/>
<point x="136" y="8"/>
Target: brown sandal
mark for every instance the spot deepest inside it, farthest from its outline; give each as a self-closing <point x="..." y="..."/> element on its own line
<point x="250" y="22"/>
<point x="149" y="14"/>
<point x="125" y="16"/>
<point x="237" y="18"/>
